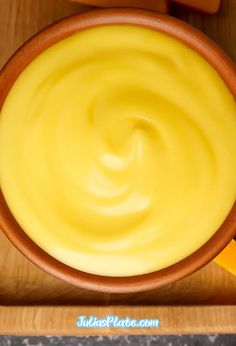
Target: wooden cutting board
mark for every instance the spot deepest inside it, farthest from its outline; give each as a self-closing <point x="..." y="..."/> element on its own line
<point x="32" y="302"/>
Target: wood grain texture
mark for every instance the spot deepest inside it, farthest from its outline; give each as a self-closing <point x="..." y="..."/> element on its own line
<point x="209" y="6"/>
<point x="221" y="27"/>
<point x="21" y="19"/>
<point x="154" y="5"/>
<point x="62" y="320"/>
<point x="33" y="302"/>
<point x="22" y="283"/>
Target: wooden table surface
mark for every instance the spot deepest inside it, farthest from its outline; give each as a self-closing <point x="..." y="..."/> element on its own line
<point x="21" y="283"/>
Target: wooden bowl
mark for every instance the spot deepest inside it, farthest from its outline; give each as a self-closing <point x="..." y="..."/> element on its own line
<point x="175" y="28"/>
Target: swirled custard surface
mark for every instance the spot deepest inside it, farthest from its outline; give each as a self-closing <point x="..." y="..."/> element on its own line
<point x="118" y="150"/>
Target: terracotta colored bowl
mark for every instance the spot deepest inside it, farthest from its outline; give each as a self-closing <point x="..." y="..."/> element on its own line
<point x="173" y="27"/>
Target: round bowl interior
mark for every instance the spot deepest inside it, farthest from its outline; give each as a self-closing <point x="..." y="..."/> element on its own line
<point x="175" y="28"/>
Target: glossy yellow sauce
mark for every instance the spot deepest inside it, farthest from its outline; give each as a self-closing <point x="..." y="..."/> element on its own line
<point x="118" y="150"/>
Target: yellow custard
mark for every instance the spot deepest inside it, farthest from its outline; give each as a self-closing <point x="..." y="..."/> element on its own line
<point x="118" y="150"/>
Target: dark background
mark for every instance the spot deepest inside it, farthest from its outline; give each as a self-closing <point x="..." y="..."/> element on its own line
<point x="188" y="340"/>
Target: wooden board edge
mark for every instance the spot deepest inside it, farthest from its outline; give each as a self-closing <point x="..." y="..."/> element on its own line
<point x="161" y="6"/>
<point x="61" y="320"/>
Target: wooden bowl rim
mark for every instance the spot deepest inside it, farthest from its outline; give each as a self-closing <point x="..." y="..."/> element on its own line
<point x="56" y="32"/>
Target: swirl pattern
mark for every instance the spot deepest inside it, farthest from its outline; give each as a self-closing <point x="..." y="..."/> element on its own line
<point x="118" y="150"/>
